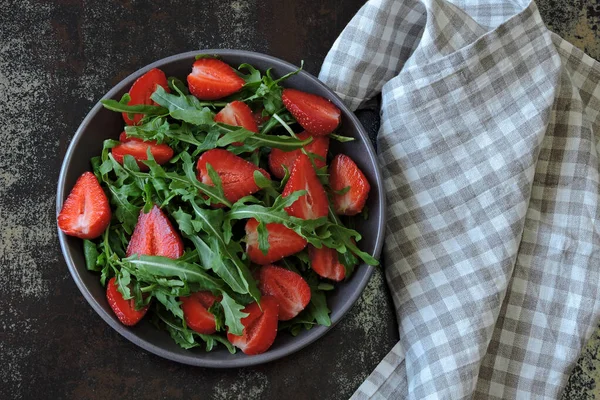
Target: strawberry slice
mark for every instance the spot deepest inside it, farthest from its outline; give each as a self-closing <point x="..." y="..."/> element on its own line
<point x="138" y="149"/>
<point x="237" y="113"/>
<point x="86" y="212"/>
<point x="212" y="79"/>
<point x="142" y="89"/>
<point x="283" y="242"/>
<point x="343" y="172"/>
<point x="290" y="289"/>
<point x="316" y="114"/>
<point x="325" y="263"/>
<point x="279" y="158"/>
<point x="314" y="204"/>
<point x="155" y="236"/>
<point x="195" y="311"/>
<point x="260" y="327"/>
<point x="123" y="309"/>
<point x="237" y="174"/>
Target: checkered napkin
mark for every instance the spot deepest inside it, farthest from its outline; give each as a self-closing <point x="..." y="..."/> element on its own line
<point x="490" y="162"/>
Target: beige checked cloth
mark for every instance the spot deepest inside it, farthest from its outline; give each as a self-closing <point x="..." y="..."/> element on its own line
<point x="490" y="159"/>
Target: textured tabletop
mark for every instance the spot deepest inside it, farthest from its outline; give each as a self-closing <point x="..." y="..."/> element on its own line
<point x="57" y="58"/>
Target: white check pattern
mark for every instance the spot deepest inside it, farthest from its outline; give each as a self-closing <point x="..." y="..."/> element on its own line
<point x="490" y="165"/>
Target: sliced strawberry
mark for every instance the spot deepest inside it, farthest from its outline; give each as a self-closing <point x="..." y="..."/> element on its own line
<point x="237" y="174"/>
<point x="138" y="149"/>
<point x="343" y="172"/>
<point x="279" y="158"/>
<point x="260" y="327"/>
<point x="86" y="212"/>
<point x="290" y="289"/>
<point x="325" y="263"/>
<point x="237" y="113"/>
<point x="212" y="79"/>
<point x="155" y="236"/>
<point x="283" y="242"/>
<point x="316" y="114"/>
<point x="123" y="309"/>
<point x="142" y="89"/>
<point x="314" y="204"/>
<point x="195" y="311"/>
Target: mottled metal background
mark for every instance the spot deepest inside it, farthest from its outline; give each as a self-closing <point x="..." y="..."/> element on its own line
<point x="57" y="58"/>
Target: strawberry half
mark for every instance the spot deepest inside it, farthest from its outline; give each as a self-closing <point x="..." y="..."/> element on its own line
<point x="290" y="289"/>
<point x="212" y="79"/>
<point x="142" y="89"/>
<point x="260" y="327"/>
<point x="155" y="236"/>
<point x="138" y="149"/>
<point x="325" y="263"/>
<point x="343" y="172"/>
<point x="123" y="309"/>
<point x="86" y="212"/>
<point x="316" y="114"/>
<point x="195" y="311"/>
<point x="279" y="158"/>
<point x="314" y="204"/>
<point x="237" y="174"/>
<point x="237" y="113"/>
<point x="283" y="242"/>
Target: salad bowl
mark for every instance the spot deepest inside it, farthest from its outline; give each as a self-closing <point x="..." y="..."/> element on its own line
<point x="101" y="124"/>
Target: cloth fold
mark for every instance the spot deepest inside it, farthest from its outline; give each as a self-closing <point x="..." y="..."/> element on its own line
<point x="490" y="166"/>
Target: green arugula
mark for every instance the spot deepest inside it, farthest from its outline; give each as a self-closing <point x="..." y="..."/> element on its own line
<point x="211" y="225"/>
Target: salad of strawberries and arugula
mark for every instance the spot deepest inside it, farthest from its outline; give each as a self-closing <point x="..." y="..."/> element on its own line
<point x="217" y="212"/>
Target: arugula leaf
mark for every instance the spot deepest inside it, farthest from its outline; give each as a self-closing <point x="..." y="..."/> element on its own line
<point x="90" y="252"/>
<point x="341" y="138"/>
<point x="171" y="303"/>
<point x="123" y="279"/>
<point x="114" y="105"/>
<point x="176" y="85"/>
<point x="318" y="306"/>
<point x="253" y="78"/>
<point x="151" y="267"/>
<point x="186" y="338"/>
<point x="211" y="223"/>
<point x="233" y="314"/>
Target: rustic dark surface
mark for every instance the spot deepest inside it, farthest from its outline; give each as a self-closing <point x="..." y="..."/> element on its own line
<point x="57" y="58"/>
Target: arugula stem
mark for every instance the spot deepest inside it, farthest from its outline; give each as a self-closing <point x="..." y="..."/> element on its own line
<point x="286" y="126"/>
<point x="148" y="288"/>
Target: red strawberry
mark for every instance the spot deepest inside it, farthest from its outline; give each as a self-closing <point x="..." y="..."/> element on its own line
<point x="195" y="311"/>
<point x="290" y="289"/>
<point x="260" y="327"/>
<point x="86" y="212"/>
<point x="279" y="158"/>
<point x="237" y="174"/>
<point x="212" y="79"/>
<point x="237" y="113"/>
<point x="343" y="172"/>
<point x="316" y="114"/>
<point x="123" y="309"/>
<point x="155" y="236"/>
<point x="325" y="263"/>
<point x="137" y="148"/>
<point x="314" y="204"/>
<point x="283" y="242"/>
<point x="142" y="89"/>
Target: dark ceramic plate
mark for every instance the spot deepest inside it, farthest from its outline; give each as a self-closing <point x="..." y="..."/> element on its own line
<point x="101" y="124"/>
